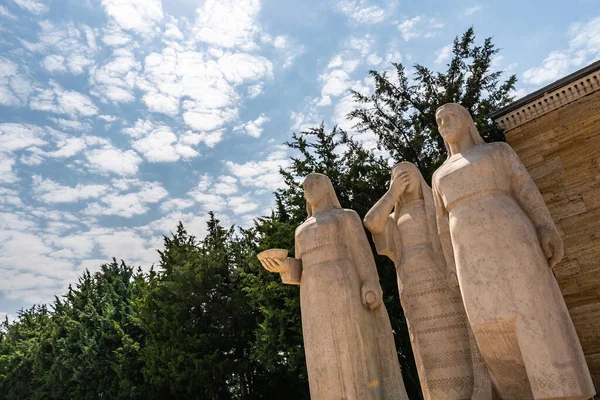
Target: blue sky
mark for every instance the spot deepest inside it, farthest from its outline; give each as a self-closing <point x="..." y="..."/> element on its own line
<point x="120" y="117"/>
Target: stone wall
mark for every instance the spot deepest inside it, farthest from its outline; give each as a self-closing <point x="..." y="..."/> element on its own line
<point x="561" y="150"/>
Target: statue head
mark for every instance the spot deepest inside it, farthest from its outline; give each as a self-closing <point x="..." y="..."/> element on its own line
<point x="418" y="189"/>
<point x="317" y="189"/>
<point x="414" y="186"/>
<point x="454" y="123"/>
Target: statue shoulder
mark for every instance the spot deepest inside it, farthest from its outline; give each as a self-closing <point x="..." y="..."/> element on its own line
<point x="349" y="216"/>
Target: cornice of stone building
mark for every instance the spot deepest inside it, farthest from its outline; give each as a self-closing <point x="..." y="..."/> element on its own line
<point x="550" y="97"/>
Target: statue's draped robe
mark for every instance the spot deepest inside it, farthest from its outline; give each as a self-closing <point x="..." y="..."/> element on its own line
<point x="489" y="205"/>
<point x="435" y="315"/>
<point x="350" y="350"/>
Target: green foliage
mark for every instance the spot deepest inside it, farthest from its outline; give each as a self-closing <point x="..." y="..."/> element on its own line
<point x="401" y="112"/>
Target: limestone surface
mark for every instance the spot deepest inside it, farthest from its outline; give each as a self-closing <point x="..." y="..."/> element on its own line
<point x="350" y="351"/>
<point x="500" y="244"/>
<point x="404" y="229"/>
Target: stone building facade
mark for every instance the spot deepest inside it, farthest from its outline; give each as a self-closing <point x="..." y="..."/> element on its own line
<point x="556" y="133"/>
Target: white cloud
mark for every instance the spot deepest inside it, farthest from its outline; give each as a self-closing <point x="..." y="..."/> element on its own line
<point x="7" y="175"/>
<point x="584" y="47"/>
<point x="68" y="124"/>
<point x="112" y="160"/>
<point x="418" y="27"/>
<point x="72" y="48"/>
<point x="14" y="137"/>
<point x="9" y="196"/>
<point x="255" y="90"/>
<point x="206" y="86"/>
<point x="303" y="120"/>
<point x="161" y="145"/>
<point x="129" y="204"/>
<point x="241" y="204"/>
<point x="335" y="83"/>
<point x="140" y="16"/>
<point x="253" y="128"/>
<point x="14" y="87"/>
<point x="107" y="118"/>
<point x="115" y="80"/>
<point x="443" y="54"/>
<point x="362" y="11"/>
<point x="69" y="147"/>
<point x="374" y="59"/>
<point x="49" y="191"/>
<point x="33" y="6"/>
<point x="5" y="13"/>
<point x="262" y="174"/>
<point x="226" y="185"/>
<point x="241" y="67"/>
<point x="176" y="205"/>
<point x="471" y="10"/>
<point x="113" y="36"/>
<point x="57" y="100"/>
<point x="227" y="23"/>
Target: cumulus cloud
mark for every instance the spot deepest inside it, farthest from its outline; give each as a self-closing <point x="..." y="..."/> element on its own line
<point x="14" y="87"/>
<point x="14" y="138"/>
<point x="128" y="204"/>
<point x="262" y="174"/>
<point x="109" y="159"/>
<point x="584" y="47"/>
<point x="222" y="193"/>
<point x="33" y="6"/>
<point x="253" y="128"/>
<point x="49" y="191"/>
<point x="472" y="10"/>
<point x="419" y="27"/>
<point x="362" y="11"/>
<point x="5" y="13"/>
<point x="139" y="16"/>
<point x="161" y="145"/>
<point x="443" y="54"/>
<point x="72" y="48"/>
<point x="227" y="23"/>
<point x="57" y="100"/>
<point x="115" y="80"/>
<point x="206" y="86"/>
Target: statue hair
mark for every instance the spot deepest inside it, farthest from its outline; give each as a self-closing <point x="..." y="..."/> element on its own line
<point x="330" y="195"/>
<point x="463" y="112"/>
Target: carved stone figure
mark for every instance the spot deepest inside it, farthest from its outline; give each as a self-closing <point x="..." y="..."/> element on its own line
<point x="350" y="351"/>
<point x="500" y="245"/>
<point x="434" y="312"/>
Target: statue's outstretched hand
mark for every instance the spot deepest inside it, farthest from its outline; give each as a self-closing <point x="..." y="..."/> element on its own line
<point x="552" y="245"/>
<point x="371" y="294"/>
<point x="275" y="264"/>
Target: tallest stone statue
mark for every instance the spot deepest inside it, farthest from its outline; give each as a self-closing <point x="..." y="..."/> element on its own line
<point x="500" y="244"/>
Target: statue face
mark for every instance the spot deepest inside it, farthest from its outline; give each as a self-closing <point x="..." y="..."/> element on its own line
<point x="315" y="189"/>
<point x="413" y="185"/>
<point x="452" y="125"/>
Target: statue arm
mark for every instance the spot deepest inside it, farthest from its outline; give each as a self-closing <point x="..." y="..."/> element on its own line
<point x="531" y="201"/>
<point x="377" y="217"/>
<point x="443" y="227"/>
<point x="363" y="260"/>
<point x="293" y="273"/>
<point x="526" y="192"/>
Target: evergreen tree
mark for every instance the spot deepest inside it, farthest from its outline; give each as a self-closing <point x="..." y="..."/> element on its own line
<point x="401" y="112"/>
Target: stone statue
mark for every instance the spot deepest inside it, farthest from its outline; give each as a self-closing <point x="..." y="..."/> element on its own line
<point x="350" y="351"/>
<point x="434" y="312"/>
<point x="500" y="245"/>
